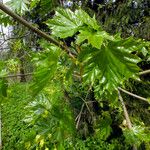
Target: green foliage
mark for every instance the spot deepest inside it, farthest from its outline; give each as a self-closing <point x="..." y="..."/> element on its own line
<point x="34" y="3"/>
<point x="12" y="65"/>
<point x="14" y="130"/>
<point x="103" y="127"/>
<point x="4" y="19"/>
<point x="46" y="66"/>
<point x="85" y="89"/>
<point x="20" y="6"/>
<point x="43" y="9"/>
<point x="66" y="23"/>
<point x="51" y="117"/>
<point x="137" y="135"/>
<point x="111" y="65"/>
<point x="3" y="87"/>
<point x="94" y="38"/>
<point x="109" y="60"/>
<point x="95" y="144"/>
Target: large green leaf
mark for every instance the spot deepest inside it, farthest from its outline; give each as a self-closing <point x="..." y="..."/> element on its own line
<point x="66" y="23"/>
<point x="111" y="65"/>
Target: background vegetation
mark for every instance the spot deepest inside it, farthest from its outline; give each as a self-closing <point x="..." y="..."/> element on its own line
<point x="86" y="89"/>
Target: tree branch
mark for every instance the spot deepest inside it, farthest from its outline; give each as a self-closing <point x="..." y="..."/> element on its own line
<point x="129" y="124"/>
<point x="76" y="75"/>
<point x="126" y="115"/>
<point x="79" y="116"/>
<point x="27" y="74"/>
<point x="144" y="72"/>
<point x="36" y="30"/>
<point x="134" y="95"/>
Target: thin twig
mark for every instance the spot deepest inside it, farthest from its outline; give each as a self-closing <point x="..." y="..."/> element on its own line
<point x="87" y="106"/>
<point x="129" y="125"/>
<point x="126" y="115"/>
<point x="61" y="3"/>
<point x="80" y="113"/>
<point x="75" y="75"/>
<point x="90" y="102"/>
<point x="79" y="116"/>
<point x="26" y="74"/>
<point x="17" y="75"/>
<point x="13" y="38"/>
<point x="144" y="72"/>
<point x="134" y="95"/>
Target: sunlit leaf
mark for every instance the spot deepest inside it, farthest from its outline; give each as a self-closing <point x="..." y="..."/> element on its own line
<point x="95" y="38"/>
<point x="87" y="20"/>
<point x="66" y="23"/>
<point x="20" y="6"/>
<point x="111" y="65"/>
<point x="137" y="135"/>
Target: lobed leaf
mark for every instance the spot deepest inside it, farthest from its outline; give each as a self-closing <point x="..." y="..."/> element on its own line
<point x="111" y="65"/>
<point x="66" y="23"/>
